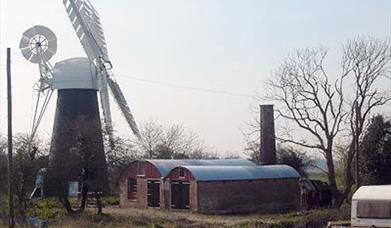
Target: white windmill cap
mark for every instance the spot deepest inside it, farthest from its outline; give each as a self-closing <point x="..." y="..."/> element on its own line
<point x="75" y="73"/>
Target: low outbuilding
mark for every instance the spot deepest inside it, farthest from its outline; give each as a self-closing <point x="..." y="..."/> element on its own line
<point x="371" y="206"/>
<point x="142" y="184"/>
<point x="234" y="189"/>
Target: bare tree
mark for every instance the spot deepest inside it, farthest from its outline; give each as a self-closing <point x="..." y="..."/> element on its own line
<point x="170" y="142"/>
<point x="178" y="143"/>
<point x="151" y="132"/>
<point x="3" y="166"/>
<point x="311" y="101"/>
<point x="29" y="157"/>
<point x="321" y="107"/>
<point x="366" y="61"/>
<point x="119" y="154"/>
<point x="79" y="157"/>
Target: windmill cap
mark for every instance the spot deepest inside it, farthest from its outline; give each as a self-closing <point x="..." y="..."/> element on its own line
<point x="75" y="73"/>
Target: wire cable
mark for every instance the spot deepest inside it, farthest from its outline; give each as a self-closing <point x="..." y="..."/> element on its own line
<point x="185" y="86"/>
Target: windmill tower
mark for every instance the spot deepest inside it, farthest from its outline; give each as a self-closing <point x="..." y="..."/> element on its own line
<point x="77" y="151"/>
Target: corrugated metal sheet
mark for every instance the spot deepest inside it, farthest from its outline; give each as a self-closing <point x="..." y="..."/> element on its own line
<point x="373" y="192"/>
<point x="166" y="165"/>
<point x="220" y="173"/>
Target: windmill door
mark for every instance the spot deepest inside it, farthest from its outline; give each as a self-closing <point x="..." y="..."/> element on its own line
<point x="153" y="193"/>
<point x="180" y="195"/>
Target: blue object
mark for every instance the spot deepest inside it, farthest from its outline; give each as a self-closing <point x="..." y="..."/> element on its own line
<point x="37" y="223"/>
<point x="221" y="173"/>
<point x="166" y="165"/>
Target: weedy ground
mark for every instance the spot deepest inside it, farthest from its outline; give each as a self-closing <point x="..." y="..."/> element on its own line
<point x="130" y="217"/>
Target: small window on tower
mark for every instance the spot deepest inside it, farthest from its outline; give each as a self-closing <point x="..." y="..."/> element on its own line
<point x="141" y="168"/>
<point x="181" y="172"/>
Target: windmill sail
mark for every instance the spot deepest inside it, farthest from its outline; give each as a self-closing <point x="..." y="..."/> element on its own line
<point x="86" y="22"/>
<point x="121" y="101"/>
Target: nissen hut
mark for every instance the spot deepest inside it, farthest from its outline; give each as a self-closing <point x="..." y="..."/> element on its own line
<point x="142" y="184"/>
<point x="234" y="189"/>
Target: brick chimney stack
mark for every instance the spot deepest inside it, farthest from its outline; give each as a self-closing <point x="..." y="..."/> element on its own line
<point x="267" y="139"/>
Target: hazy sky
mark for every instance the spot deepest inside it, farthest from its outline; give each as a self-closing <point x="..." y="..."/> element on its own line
<point x="221" y="45"/>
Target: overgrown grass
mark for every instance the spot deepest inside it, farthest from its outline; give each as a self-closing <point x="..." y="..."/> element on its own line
<point x="111" y="201"/>
<point x="90" y="219"/>
<point x="3" y="209"/>
<point x="46" y="209"/>
<point x="52" y="211"/>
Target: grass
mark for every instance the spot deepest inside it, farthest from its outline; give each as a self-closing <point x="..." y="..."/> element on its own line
<point x="131" y="217"/>
<point x="114" y="216"/>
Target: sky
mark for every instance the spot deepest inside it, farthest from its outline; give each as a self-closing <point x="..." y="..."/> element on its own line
<point x="198" y="63"/>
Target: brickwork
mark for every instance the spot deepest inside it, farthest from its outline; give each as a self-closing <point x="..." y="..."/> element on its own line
<point x="141" y="197"/>
<point x="215" y="197"/>
<point x="246" y="196"/>
<point x="142" y="192"/>
<point x="193" y="196"/>
<point x="174" y="175"/>
<point x="268" y="141"/>
<point x="150" y="173"/>
<point x="165" y="195"/>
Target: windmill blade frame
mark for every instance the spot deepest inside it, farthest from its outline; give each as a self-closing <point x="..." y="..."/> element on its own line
<point x="86" y="23"/>
<point x="123" y="105"/>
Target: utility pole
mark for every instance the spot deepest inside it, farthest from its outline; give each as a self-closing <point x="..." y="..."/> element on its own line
<point x="11" y="221"/>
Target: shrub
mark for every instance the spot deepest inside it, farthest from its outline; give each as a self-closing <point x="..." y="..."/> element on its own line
<point x="45" y="209"/>
<point x="111" y="200"/>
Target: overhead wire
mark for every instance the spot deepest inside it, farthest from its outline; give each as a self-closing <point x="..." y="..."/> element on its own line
<point x="186" y="87"/>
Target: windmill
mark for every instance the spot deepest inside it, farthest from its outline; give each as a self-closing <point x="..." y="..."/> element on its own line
<point x="78" y="82"/>
<point x="86" y="23"/>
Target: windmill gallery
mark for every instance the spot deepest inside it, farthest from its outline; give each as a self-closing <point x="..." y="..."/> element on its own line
<point x="77" y="156"/>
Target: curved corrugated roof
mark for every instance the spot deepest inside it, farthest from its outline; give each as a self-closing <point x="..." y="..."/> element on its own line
<point x="166" y="165"/>
<point x="373" y="192"/>
<point x="219" y="173"/>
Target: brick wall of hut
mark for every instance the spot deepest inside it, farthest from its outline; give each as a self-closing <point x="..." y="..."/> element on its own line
<point x="140" y="199"/>
<point x="279" y="195"/>
<point x="239" y="196"/>
<point x="214" y="197"/>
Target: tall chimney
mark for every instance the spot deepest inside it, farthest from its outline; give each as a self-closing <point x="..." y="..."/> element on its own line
<point x="268" y="139"/>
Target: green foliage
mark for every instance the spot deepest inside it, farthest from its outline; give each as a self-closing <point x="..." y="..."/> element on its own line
<point x="252" y="150"/>
<point x="3" y="209"/>
<point x="375" y="152"/>
<point x="324" y="178"/>
<point x="297" y="159"/>
<point x="46" y="209"/>
<point x="111" y="201"/>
